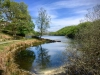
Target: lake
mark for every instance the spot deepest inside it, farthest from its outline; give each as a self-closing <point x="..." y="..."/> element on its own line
<point x="47" y="56"/>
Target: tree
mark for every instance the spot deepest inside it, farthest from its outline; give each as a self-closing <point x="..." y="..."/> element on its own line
<point x="93" y="14"/>
<point x="26" y="24"/>
<point x="1" y="11"/>
<point x="89" y="40"/>
<point x="43" y="59"/>
<point x="19" y="18"/>
<point x="0" y="8"/>
<point x="42" y="21"/>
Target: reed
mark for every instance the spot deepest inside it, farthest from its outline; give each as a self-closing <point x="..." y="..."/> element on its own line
<point x="7" y="62"/>
<point x="4" y="37"/>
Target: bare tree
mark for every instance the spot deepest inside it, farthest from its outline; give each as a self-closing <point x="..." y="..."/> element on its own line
<point x="93" y="13"/>
<point x="89" y="39"/>
<point x="42" y="21"/>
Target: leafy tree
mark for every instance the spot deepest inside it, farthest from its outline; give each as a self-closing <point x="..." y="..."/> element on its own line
<point x="0" y="8"/>
<point x="26" y="24"/>
<point x="19" y="18"/>
<point x="43" y="21"/>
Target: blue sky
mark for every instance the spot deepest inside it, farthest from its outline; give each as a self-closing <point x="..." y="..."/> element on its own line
<point x="63" y="12"/>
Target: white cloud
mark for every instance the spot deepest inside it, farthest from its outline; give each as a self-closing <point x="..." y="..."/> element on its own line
<point x="60" y="23"/>
<point x="52" y="16"/>
<point x="74" y="3"/>
<point x="81" y="12"/>
<point x="70" y="4"/>
<point x="78" y="6"/>
<point x="67" y="4"/>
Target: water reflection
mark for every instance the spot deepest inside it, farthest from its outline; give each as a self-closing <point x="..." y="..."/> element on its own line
<point x="24" y="59"/>
<point x="48" y="56"/>
<point x="43" y="58"/>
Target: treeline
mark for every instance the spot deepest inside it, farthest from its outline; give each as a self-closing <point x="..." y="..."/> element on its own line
<point x="15" y="18"/>
<point x="70" y="31"/>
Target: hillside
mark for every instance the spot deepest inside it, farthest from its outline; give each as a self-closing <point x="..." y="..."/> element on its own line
<point x="70" y="31"/>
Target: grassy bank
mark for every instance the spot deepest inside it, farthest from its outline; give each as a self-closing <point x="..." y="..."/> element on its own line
<point x="8" y="50"/>
<point x="4" y="37"/>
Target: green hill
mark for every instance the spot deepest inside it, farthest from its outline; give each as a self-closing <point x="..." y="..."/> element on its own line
<point x="70" y="31"/>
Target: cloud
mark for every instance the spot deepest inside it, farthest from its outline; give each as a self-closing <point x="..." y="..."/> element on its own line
<point x="70" y="4"/>
<point x="66" y="4"/>
<point x="60" y="23"/>
<point x="74" y="9"/>
<point x="74" y="3"/>
<point x="54" y="6"/>
<point x="52" y="16"/>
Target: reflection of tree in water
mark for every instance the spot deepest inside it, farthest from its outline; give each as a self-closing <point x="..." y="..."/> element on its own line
<point x="25" y="59"/>
<point x="43" y="57"/>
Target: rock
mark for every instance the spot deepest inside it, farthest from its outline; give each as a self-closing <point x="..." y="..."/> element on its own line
<point x="36" y="37"/>
<point x="58" y="41"/>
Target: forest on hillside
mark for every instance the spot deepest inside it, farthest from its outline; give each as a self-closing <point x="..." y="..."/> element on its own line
<point x="70" y="31"/>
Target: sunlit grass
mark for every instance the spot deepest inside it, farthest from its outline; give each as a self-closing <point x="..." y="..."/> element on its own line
<point x="4" y="37"/>
<point x="7" y="53"/>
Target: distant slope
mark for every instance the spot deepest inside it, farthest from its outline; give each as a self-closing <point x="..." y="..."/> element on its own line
<point x="66" y="31"/>
<point x="70" y="31"/>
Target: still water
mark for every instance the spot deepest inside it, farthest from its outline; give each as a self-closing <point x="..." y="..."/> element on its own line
<point x="46" y="56"/>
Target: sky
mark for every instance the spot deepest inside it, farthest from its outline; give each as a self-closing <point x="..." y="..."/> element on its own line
<point x="62" y="12"/>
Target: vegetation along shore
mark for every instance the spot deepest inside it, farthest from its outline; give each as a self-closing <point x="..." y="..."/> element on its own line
<point x="17" y="32"/>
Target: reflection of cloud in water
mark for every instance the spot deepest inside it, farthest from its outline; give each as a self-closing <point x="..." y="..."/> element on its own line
<point x="54" y="46"/>
<point x="57" y="52"/>
<point x="61" y="38"/>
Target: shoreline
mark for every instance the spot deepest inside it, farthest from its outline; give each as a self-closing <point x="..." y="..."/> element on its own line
<point x="7" y="65"/>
